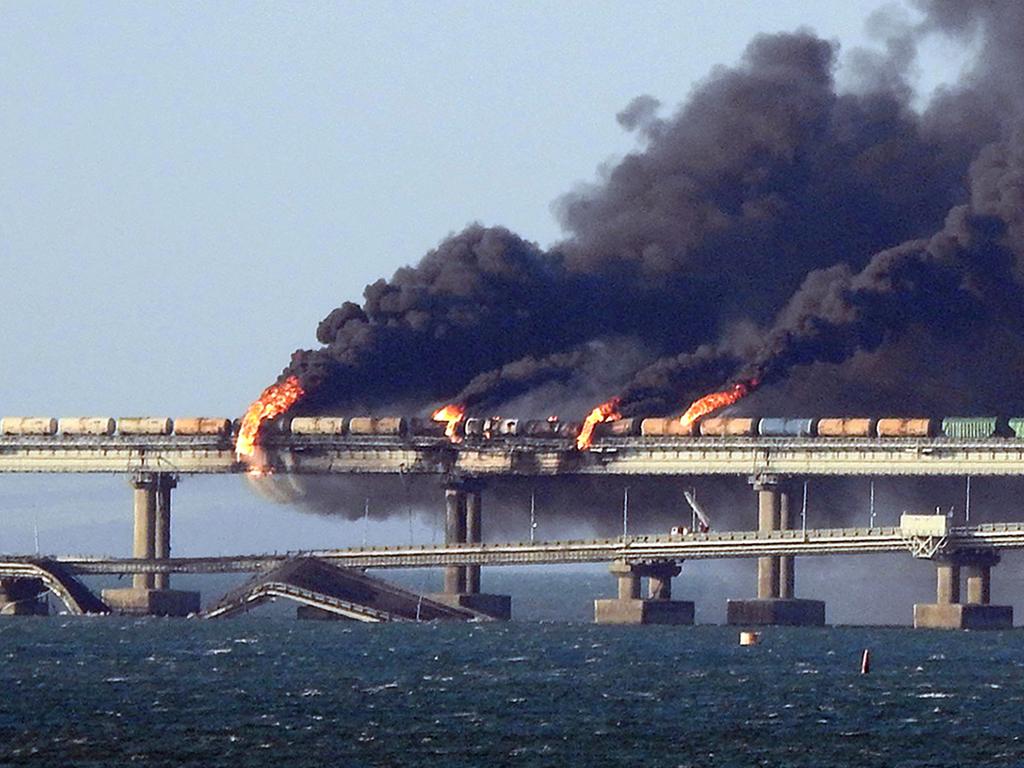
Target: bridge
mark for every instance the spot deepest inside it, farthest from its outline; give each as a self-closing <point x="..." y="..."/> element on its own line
<point x="530" y="457"/>
<point x="628" y="549"/>
<point x="330" y="580"/>
<point x="771" y="464"/>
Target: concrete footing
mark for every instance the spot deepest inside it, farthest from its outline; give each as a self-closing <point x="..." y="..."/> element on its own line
<point x="962" y="616"/>
<point x="492" y="606"/>
<point x="791" y="612"/>
<point x="151" y="602"/>
<point x="640" y="611"/>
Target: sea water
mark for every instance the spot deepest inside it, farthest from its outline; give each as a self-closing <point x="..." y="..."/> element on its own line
<point x="268" y="690"/>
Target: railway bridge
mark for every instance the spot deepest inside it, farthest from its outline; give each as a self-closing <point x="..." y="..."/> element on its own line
<point x="156" y="463"/>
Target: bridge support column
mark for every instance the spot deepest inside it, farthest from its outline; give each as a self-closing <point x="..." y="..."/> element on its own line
<point x="787" y="566"/>
<point x="23" y="597"/>
<point x="144" y="540"/>
<point x="454" y="533"/>
<point x="463" y="514"/>
<point x="149" y="594"/>
<point x="630" y="608"/>
<point x="474" y="535"/>
<point x="162" y="526"/>
<point x="948" y="612"/>
<point x="776" y="574"/>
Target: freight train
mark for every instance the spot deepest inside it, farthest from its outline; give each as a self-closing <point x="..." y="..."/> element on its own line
<point x="961" y="428"/>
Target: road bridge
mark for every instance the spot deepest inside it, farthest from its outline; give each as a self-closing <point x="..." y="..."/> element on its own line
<point x="631" y="549"/>
<point x="655" y="557"/>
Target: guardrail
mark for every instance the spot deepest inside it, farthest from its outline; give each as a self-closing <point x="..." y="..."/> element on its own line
<point x="728" y="544"/>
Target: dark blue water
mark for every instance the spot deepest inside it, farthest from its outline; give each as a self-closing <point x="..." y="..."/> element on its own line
<point x="273" y="691"/>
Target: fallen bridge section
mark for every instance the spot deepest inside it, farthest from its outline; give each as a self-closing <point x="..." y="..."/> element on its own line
<point x="58" y="579"/>
<point x="335" y="592"/>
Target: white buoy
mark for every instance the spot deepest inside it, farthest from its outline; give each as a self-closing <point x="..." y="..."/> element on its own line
<point x="750" y="638"/>
<point x="865" y="662"/>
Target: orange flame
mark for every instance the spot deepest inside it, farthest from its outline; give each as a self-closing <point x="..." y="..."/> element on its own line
<point x="453" y="413"/>
<point x="716" y="400"/>
<point x="608" y="411"/>
<point x="275" y="400"/>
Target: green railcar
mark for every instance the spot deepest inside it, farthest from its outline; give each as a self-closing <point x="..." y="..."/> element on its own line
<point x="1017" y="425"/>
<point x="970" y="428"/>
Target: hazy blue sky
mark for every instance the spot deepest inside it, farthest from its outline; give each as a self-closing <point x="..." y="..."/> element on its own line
<point x="188" y="188"/>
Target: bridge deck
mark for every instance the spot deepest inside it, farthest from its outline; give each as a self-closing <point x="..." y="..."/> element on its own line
<point x="813" y="542"/>
<point x="522" y="456"/>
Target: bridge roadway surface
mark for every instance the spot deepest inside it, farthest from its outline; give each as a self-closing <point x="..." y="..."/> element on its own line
<point x="826" y="541"/>
<point x="629" y="456"/>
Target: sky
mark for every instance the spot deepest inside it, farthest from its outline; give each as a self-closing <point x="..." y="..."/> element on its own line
<point x="187" y="189"/>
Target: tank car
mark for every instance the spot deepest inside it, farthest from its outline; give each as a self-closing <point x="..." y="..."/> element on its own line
<point x="619" y="428"/>
<point x="28" y="425"/>
<point x="374" y="425"/>
<point x="202" y="425"/>
<point x="845" y="427"/>
<point x="665" y="427"/>
<point x="87" y="425"/>
<point x="893" y="427"/>
<point x="785" y="427"/>
<point x="145" y="425"/>
<point x="725" y="426"/>
<point x="317" y="425"/>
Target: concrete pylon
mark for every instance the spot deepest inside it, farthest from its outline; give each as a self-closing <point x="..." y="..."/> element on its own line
<point x="474" y="535"/>
<point x="162" y="528"/>
<point x="979" y="583"/>
<point x="776" y="603"/>
<point x="787" y="566"/>
<point x="144" y="539"/>
<point x="947" y="587"/>
<point x="948" y="612"/>
<point x="769" y="509"/>
<point x="463" y="516"/>
<point x="657" y="608"/>
<point x="454" y="533"/>
<point x="149" y="594"/>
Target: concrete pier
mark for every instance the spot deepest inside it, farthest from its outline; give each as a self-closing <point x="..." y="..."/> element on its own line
<point x="162" y="526"/>
<point x="23" y="597"/>
<point x="630" y="608"/>
<point x="150" y="594"/>
<point x="948" y="612"/>
<point x="144" y="539"/>
<point x="463" y="514"/>
<point x="776" y="603"/>
<point x="454" y="533"/>
<point x="474" y="535"/>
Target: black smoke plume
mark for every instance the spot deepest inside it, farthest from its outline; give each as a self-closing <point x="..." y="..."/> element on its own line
<point x="775" y="221"/>
<point x="858" y="248"/>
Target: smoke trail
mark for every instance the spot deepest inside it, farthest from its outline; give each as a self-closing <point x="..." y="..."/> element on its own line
<point x="851" y="249"/>
<point x="766" y="185"/>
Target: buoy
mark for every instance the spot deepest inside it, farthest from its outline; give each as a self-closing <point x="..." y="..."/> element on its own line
<point x="865" y="662"/>
<point x="750" y="638"/>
